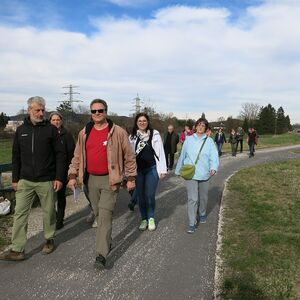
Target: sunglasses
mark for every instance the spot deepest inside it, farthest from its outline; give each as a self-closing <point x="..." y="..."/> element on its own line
<point x="100" y="111"/>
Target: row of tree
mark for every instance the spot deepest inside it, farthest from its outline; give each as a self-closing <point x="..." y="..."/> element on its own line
<point x="265" y="119"/>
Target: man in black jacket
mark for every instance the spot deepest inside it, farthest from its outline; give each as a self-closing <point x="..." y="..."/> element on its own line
<point x="170" y="146"/>
<point x="39" y="164"/>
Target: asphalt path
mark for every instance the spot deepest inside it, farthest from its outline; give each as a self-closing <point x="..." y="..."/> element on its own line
<point x="165" y="264"/>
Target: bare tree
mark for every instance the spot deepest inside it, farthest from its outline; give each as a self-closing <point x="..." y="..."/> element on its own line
<point x="249" y="111"/>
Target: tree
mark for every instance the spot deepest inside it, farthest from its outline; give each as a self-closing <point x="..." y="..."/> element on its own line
<point x="266" y="120"/>
<point x="246" y="125"/>
<point x="249" y="111"/>
<point x="232" y="123"/>
<point x="281" y="125"/>
<point x="288" y="123"/>
<point x="3" y="120"/>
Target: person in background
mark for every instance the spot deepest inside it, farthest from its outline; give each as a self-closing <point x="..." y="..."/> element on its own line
<point x="186" y="132"/>
<point x="251" y="140"/>
<point x="38" y="168"/>
<point x="233" y="141"/>
<point x="68" y="143"/>
<point x="170" y="146"/>
<point x="208" y="131"/>
<point x="240" y="138"/>
<point x="220" y="139"/>
<point x="151" y="166"/>
<point x="102" y="157"/>
<point x="206" y="167"/>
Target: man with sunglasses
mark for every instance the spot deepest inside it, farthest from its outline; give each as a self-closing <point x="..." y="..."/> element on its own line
<point x="102" y="158"/>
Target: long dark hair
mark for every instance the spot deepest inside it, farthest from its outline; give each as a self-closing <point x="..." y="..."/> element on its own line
<point x="135" y="127"/>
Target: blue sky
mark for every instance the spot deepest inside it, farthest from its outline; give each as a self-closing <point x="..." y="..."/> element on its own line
<point x="76" y="15"/>
<point x="212" y="55"/>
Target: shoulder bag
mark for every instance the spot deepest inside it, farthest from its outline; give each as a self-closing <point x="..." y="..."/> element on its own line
<point x="187" y="171"/>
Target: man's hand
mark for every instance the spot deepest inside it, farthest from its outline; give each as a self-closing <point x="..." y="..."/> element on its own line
<point x="130" y="185"/>
<point x="57" y="185"/>
<point x="14" y="185"/>
<point x="72" y="184"/>
<point x="162" y="175"/>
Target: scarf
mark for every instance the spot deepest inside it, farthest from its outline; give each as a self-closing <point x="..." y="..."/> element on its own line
<point x="143" y="139"/>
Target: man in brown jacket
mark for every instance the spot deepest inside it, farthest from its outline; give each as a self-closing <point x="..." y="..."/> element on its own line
<point x="102" y="158"/>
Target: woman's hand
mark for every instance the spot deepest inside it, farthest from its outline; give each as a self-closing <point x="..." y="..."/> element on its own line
<point x="162" y="175"/>
<point x="212" y="172"/>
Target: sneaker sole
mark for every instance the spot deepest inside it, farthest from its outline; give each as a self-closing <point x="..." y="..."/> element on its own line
<point x="143" y="229"/>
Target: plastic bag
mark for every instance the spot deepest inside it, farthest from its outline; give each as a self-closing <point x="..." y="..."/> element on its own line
<point x="4" y="207"/>
<point x="76" y="194"/>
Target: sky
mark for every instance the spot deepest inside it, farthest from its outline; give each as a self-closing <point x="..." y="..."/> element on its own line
<point x="180" y="57"/>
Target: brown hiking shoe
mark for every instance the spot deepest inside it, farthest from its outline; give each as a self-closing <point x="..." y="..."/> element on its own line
<point x="12" y="255"/>
<point x="48" y="247"/>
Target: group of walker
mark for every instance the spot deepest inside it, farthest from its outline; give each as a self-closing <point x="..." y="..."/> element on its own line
<point x="101" y="158"/>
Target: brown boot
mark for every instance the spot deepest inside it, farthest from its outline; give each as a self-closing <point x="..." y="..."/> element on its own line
<point x="48" y="247"/>
<point x="12" y="255"/>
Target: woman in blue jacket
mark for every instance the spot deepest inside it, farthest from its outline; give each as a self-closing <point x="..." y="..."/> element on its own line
<point x="206" y="167"/>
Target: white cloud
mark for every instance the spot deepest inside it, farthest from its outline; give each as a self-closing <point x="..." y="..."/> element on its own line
<point x="187" y="60"/>
<point x="129" y="2"/>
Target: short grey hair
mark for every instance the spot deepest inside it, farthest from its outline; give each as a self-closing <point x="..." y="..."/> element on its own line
<point x="36" y="99"/>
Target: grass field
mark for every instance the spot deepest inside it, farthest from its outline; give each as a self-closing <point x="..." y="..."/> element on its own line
<point x="5" y="150"/>
<point x="261" y="233"/>
<point x="269" y="141"/>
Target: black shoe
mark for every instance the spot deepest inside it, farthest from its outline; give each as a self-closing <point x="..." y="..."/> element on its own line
<point x="131" y="206"/>
<point x="100" y="262"/>
<point x="59" y="224"/>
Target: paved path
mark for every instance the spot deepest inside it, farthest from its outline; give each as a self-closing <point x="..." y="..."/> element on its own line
<point x="165" y="264"/>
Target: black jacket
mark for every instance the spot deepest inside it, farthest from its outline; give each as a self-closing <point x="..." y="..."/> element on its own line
<point x="38" y="153"/>
<point x="68" y="142"/>
<point x="171" y="147"/>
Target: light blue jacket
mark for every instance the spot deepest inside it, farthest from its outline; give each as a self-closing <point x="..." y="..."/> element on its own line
<point x="208" y="160"/>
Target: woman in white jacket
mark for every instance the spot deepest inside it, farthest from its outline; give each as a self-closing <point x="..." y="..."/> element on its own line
<point x="151" y="166"/>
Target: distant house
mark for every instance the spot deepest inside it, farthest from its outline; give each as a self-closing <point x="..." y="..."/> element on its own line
<point x="11" y="126"/>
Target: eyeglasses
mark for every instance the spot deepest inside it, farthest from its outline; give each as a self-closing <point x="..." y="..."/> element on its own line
<point x="100" y="111"/>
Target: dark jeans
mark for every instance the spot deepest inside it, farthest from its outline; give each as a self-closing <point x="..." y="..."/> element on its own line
<point x="61" y="203"/>
<point x="219" y="146"/>
<point x="241" y="145"/>
<point x="146" y="184"/>
<point x="134" y="198"/>
<point x="251" y="149"/>
<point x="170" y="163"/>
<point x="233" y="149"/>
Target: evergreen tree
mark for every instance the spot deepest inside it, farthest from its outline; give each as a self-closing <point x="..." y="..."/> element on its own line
<point x="245" y="125"/>
<point x="288" y="123"/>
<point x="3" y="120"/>
<point x="266" y="120"/>
<point x="281" y="125"/>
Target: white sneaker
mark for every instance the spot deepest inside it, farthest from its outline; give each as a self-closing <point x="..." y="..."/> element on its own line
<point x="95" y="224"/>
<point x="151" y="224"/>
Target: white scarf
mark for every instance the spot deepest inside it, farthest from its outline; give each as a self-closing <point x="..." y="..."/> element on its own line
<point x="143" y="137"/>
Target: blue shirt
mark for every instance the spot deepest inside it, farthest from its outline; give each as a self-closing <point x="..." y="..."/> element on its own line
<point x="208" y="160"/>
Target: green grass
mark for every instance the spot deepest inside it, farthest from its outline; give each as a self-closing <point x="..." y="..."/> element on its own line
<point x="5" y="150"/>
<point x="5" y="225"/>
<point x="269" y="141"/>
<point x="261" y="233"/>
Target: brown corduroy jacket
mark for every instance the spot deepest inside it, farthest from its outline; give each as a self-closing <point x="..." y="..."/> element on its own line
<point x="121" y="158"/>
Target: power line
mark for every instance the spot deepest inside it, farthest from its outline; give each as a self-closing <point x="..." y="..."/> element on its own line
<point x="70" y="93"/>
